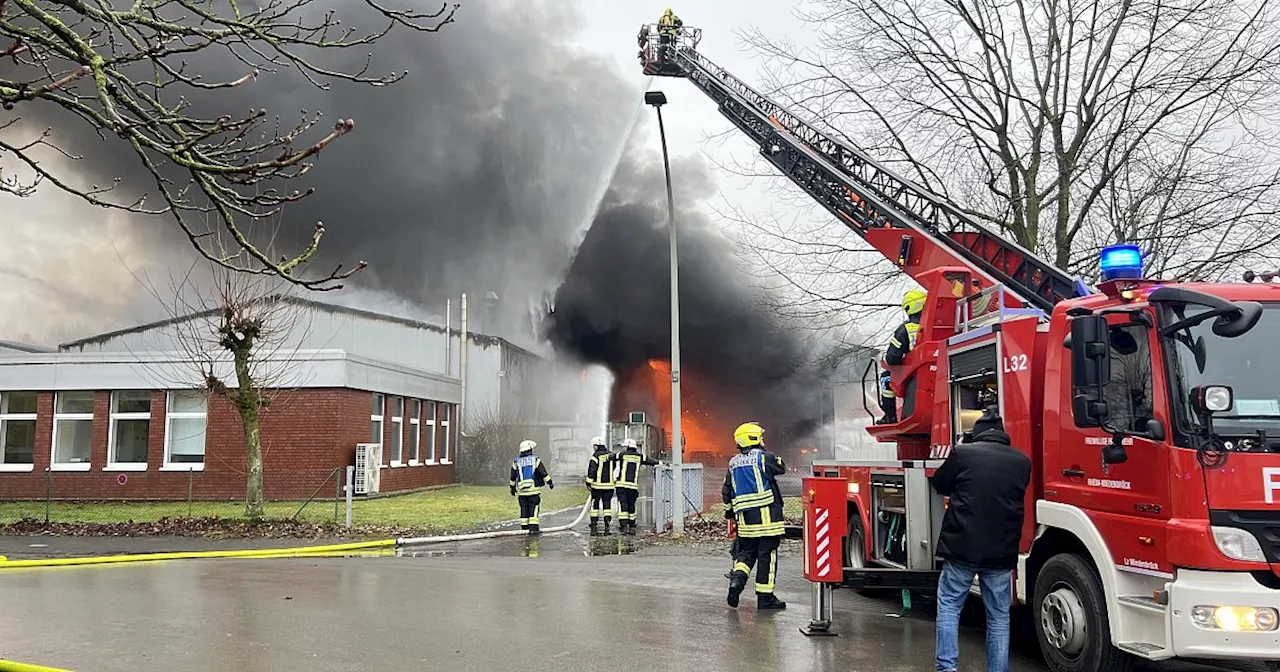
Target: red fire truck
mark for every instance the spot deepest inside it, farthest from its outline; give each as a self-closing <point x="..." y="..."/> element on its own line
<point x="1153" y="520"/>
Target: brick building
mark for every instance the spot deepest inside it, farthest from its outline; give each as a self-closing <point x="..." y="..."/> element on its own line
<point x="117" y="416"/>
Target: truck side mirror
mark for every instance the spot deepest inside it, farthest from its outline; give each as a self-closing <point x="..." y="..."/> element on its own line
<point x="1090" y="370"/>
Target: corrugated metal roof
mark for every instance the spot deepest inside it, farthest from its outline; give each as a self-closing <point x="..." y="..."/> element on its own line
<point x="481" y="339"/>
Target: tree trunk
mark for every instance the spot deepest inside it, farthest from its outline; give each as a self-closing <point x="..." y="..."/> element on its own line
<point x="247" y="397"/>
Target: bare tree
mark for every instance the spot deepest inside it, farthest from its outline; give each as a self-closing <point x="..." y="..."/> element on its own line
<point x="1066" y="125"/>
<point x="123" y="70"/>
<point x="492" y="442"/>
<point x="241" y="334"/>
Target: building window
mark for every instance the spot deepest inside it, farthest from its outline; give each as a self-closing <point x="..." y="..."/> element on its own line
<point x="444" y="425"/>
<point x="415" y="432"/>
<point x="17" y="431"/>
<point x="130" y="428"/>
<point x="186" y="425"/>
<point x="72" y="430"/>
<point x="375" y="431"/>
<point x="397" y="431"/>
<point x="431" y="432"/>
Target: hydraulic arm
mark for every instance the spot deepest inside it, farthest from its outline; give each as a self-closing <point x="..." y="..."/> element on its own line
<point x="914" y="228"/>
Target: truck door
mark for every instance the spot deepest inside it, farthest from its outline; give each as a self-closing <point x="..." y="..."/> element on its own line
<point x="1121" y="499"/>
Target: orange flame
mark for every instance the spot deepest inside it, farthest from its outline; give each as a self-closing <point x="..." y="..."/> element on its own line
<point x="702" y="431"/>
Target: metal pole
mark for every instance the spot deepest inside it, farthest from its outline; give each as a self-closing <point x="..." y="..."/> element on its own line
<point x="351" y="480"/>
<point x="820" y="616"/>
<point x="677" y="437"/>
<point x="448" y="338"/>
<point x="462" y="367"/>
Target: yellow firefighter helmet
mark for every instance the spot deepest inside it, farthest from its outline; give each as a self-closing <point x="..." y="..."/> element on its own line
<point x="749" y="434"/>
<point x="913" y="301"/>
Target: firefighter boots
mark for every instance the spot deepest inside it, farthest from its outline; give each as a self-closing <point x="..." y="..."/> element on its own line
<point x="606" y="527"/>
<point x="595" y="531"/>
<point x="534" y="530"/>
<point x="768" y="601"/>
<point x="737" y="581"/>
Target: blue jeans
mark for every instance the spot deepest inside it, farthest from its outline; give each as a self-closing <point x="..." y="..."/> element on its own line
<point x="953" y="590"/>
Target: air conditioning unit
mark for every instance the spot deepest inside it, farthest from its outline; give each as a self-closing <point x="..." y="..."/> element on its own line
<point x="636" y="417"/>
<point x="368" y="468"/>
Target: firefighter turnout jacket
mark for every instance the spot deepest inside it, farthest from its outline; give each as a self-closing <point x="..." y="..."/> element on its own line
<point x="628" y="464"/>
<point x="600" y="470"/>
<point x="903" y="341"/>
<point x="528" y="475"/>
<point x="751" y="493"/>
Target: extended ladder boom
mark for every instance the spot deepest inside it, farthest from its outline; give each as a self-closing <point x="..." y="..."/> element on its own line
<point x="911" y="226"/>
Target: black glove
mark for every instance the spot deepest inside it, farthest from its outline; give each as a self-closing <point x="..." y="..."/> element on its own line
<point x="728" y="514"/>
<point x="551" y="485"/>
<point x="513" y="491"/>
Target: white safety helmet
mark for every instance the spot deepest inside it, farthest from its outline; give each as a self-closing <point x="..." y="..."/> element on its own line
<point x="527" y="446"/>
<point x="629" y="443"/>
<point x="597" y="441"/>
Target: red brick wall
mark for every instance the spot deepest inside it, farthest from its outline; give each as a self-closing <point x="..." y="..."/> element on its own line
<point x="306" y="435"/>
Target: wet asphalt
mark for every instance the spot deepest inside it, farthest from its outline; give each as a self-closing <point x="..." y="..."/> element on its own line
<point x="562" y="602"/>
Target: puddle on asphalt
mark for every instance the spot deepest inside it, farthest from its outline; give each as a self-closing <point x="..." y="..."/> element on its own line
<point x="597" y="546"/>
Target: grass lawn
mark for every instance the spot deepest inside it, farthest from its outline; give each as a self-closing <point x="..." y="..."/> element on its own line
<point x="453" y="508"/>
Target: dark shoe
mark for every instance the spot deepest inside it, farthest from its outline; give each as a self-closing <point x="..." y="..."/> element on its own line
<point x="887" y="420"/>
<point x="534" y="530"/>
<point x="769" y="601"/>
<point x="606" y="527"/>
<point x="737" y="581"/>
<point x="595" y="531"/>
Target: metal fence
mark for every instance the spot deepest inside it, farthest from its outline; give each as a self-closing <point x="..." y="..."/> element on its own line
<point x="664" y="487"/>
<point x="165" y="501"/>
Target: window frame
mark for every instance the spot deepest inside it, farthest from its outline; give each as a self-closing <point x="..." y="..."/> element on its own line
<point x="5" y="419"/>
<point x="431" y="433"/>
<point x="415" y="432"/>
<point x="446" y="425"/>
<point x="380" y="400"/>
<point x="1144" y="342"/>
<point x="396" y="455"/>
<point x="169" y="416"/>
<point x="54" y="464"/>
<point x="113" y="416"/>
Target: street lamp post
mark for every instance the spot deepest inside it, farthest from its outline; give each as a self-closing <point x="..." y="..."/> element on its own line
<point x="657" y="99"/>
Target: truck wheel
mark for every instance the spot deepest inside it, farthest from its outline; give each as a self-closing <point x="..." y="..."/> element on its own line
<point x="1070" y="611"/>
<point x="855" y="543"/>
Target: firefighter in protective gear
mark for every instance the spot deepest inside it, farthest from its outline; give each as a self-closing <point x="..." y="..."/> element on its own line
<point x="600" y="483"/>
<point x="668" y="28"/>
<point x="627" y="465"/>
<point x="528" y="475"/>
<point x="903" y="341"/>
<point x="752" y="498"/>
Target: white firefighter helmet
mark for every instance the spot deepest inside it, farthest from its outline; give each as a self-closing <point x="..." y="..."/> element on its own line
<point x="597" y="441"/>
<point x="527" y="446"/>
<point x="629" y="443"/>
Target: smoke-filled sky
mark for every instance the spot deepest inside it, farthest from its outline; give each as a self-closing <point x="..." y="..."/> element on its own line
<point x="481" y="171"/>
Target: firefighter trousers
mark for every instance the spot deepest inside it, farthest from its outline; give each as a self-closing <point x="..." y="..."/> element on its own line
<point x="530" y="507"/>
<point x="627" y="498"/>
<point x="762" y="552"/>
<point x="601" y="504"/>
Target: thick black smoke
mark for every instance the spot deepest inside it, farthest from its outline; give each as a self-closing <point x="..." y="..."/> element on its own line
<point x="614" y="306"/>
<point x="478" y="172"/>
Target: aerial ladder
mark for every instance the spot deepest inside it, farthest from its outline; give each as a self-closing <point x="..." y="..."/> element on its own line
<point x="973" y="275"/>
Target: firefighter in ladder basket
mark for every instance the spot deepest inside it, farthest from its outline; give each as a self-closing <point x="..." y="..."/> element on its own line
<point x="600" y="483"/>
<point x="903" y="341"/>
<point x="751" y="496"/>
<point x="528" y="475"/>
<point x="668" y="28"/>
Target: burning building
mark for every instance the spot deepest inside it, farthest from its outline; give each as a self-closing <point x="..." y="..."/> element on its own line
<point x="738" y="363"/>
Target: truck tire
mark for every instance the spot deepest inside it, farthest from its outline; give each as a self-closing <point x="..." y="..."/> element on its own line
<point x="855" y="543"/>
<point x="1070" y="612"/>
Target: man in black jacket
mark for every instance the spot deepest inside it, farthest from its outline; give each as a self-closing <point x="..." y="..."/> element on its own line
<point x="986" y="480"/>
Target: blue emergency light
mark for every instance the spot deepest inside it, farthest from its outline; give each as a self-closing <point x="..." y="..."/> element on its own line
<point x="1121" y="262"/>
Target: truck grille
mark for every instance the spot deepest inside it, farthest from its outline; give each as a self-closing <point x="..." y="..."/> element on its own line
<point x="1265" y="525"/>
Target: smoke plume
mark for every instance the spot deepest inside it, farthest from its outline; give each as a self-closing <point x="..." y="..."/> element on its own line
<point x="480" y="172"/>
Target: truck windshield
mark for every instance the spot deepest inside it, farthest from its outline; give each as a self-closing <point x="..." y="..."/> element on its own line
<point x="1249" y="364"/>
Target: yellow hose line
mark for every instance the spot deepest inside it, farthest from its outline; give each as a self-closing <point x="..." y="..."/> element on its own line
<point x="10" y="666"/>
<point x="332" y="549"/>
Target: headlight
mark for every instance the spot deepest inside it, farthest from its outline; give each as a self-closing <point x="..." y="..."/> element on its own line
<point x="1235" y="619"/>
<point x="1238" y="544"/>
